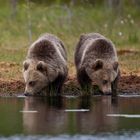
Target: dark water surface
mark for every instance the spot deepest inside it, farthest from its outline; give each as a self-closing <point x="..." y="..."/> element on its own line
<point x="70" y="118"/>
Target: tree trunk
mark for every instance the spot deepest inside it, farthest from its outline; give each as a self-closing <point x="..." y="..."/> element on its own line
<point x="113" y="3"/>
<point x="13" y="4"/>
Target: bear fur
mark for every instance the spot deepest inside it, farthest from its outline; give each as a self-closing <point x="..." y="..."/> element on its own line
<point x="45" y="67"/>
<point x="97" y="63"/>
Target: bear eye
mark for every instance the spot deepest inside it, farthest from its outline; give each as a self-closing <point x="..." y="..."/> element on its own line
<point x="105" y="82"/>
<point x="32" y="83"/>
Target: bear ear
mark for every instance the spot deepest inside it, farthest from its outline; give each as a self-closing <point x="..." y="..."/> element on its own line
<point x="41" y="66"/>
<point x="82" y="36"/>
<point x="98" y="65"/>
<point x="115" y="65"/>
<point x="25" y="65"/>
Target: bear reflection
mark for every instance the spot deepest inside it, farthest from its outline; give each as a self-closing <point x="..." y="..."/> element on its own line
<point x="49" y="118"/>
<point x="96" y="119"/>
<point x="52" y="117"/>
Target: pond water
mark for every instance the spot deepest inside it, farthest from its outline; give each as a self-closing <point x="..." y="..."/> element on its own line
<point x="69" y="118"/>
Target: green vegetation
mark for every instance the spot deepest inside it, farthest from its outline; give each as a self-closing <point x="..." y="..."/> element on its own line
<point x="21" y="27"/>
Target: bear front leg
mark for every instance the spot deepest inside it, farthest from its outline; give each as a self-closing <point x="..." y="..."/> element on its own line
<point x="114" y="86"/>
<point x="55" y="88"/>
<point x="84" y="80"/>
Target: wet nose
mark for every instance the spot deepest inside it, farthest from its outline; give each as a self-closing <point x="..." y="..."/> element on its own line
<point x="107" y="93"/>
<point x="26" y="94"/>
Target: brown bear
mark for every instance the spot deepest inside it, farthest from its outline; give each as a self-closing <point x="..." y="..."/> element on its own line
<point x="45" y="68"/>
<point x="97" y="63"/>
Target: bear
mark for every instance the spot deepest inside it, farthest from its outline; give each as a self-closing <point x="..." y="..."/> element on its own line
<point x="97" y="64"/>
<point x="45" y="68"/>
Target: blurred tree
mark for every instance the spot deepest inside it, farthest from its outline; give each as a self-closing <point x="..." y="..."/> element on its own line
<point x="13" y="4"/>
<point x="113" y="3"/>
<point x="137" y="2"/>
<point x="29" y="21"/>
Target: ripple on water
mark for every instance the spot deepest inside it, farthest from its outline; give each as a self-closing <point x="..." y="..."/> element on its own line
<point x="124" y="115"/>
<point x="129" y="95"/>
<point x="128" y="136"/>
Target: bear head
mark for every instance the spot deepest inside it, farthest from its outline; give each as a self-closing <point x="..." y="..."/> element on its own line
<point x="35" y="76"/>
<point x="103" y="74"/>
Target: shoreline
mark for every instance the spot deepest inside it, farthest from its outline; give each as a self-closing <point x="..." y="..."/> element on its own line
<point x="127" y="84"/>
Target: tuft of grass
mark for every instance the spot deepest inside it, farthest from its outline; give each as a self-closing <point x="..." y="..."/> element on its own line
<point x="133" y="38"/>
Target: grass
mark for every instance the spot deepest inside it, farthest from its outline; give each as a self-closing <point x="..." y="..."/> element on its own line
<point x="67" y="22"/>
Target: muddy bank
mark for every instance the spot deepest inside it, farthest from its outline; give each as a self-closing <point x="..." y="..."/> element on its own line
<point x="12" y="86"/>
<point x="127" y="84"/>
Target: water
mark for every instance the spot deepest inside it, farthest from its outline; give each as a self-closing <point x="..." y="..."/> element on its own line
<point x="69" y="118"/>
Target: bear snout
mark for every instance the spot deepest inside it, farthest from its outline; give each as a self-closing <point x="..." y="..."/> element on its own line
<point x="107" y="93"/>
<point x="106" y="90"/>
<point x="26" y="93"/>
